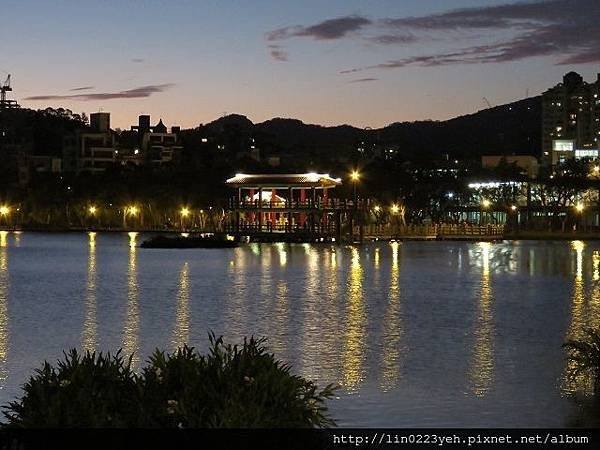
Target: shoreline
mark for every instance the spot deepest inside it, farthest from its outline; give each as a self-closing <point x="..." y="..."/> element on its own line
<point x="519" y="236"/>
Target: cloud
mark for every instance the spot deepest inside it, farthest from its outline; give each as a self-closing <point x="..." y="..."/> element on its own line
<point x="139" y="92"/>
<point x="390" y="39"/>
<point x="277" y="53"/>
<point x="137" y="60"/>
<point x="567" y="30"/>
<point x="83" y="88"/>
<point x="327" y="30"/>
<point x="363" y="80"/>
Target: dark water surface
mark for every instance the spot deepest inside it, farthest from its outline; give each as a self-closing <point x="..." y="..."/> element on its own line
<point x="416" y="333"/>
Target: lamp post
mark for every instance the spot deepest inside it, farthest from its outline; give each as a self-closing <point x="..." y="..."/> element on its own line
<point x="354" y="176"/>
<point x="184" y="213"/>
<point x="485" y="204"/>
<point x="131" y="210"/>
<point x="4" y="213"/>
<point x="92" y="210"/>
<point x="579" y="207"/>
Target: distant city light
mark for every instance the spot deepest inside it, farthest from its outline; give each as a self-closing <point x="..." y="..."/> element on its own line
<point x="395" y="209"/>
<point x="486" y="203"/>
<point x="184" y="212"/>
<point x="92" y="210"/>
<point x="132" y="210"/>
<point x="492" y="184"/>
<point x="513" y="207"/>
<point x="377" y="208"/>
<point x="4" y="210"/>
<point x="579" y="207"/>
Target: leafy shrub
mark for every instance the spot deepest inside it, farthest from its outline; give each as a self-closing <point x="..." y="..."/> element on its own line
<point x="583" y="359"/>
<point x="231" y="386"/>
<point x="90" y="390"/>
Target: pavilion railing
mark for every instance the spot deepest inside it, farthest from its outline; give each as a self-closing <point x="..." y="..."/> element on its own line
<point x="319" y="203"/>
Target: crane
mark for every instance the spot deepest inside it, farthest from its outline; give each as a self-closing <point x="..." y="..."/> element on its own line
<point x="4" y="88"/>
<point x="487" y="102"/>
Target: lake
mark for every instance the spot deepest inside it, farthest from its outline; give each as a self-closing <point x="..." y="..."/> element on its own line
<point x="422" y="334"/>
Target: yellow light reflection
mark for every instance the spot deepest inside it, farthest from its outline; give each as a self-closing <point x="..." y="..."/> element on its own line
<point x="376" y="258"/>
<point x="312" y="332"/>
<point x="353" y="354"/>
<point x="278" y="337"/>
<point x="90" y="325"/>
<point x="131" y="328"/>
<point x="181" y="332"/>
<point x="132" y="238"/>
<point x="4" y="320"/>
<point x="235" y="311"/>
<point x="393" y="331"/>
<point x="579" y="321"/>
<point x="282" y="254"/>
<point x="481" y="371"/>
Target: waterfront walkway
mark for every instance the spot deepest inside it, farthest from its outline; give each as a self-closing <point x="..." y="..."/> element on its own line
<point x="434" y="232"/>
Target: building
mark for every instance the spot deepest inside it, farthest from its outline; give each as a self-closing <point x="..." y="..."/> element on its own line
<point x="99" y="147"/>
<point x="91" y="150"/>
<point x="527" y="164"/>
<point x="571" y="120"/>
<point x="157" y="145"/>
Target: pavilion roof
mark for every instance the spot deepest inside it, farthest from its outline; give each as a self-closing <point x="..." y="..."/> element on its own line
<point x="284" y="180"/>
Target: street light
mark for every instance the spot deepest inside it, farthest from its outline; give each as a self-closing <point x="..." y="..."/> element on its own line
<point x="4" y="210"/>
<point x="132" y="210"/>
<point x="92" y="210"/>
<point x="395" y="209"/>
<point x="184" y="212"/>
<point x="579" y="207"/>
<point x="377" y="208"/>
<point x="513" y="207"/>
<point x="354" y="176"/>
<point x="486" y="203"/>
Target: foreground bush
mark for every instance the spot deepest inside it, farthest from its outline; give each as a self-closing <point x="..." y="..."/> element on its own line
<point x="231" y="386"/>
<point x="583" y="359"/>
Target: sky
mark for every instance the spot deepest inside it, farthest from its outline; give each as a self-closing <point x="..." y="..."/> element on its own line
<point x="363" y="63"/>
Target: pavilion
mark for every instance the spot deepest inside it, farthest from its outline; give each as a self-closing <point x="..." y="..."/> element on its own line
<point x="285" y="203"/>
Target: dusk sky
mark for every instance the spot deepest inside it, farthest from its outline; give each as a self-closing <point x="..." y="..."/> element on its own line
<point x="365" y="63"/>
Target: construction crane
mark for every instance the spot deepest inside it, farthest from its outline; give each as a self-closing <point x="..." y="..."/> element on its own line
<point x="4" y="88"/>
<point x="487" y="102"/>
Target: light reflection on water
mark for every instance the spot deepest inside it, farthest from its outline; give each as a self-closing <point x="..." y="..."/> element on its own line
<point x="132" y="319"/>
<point x="4" y="318"/>
<point x="89" y="333"/>
<point x="482" y="364"/>
<point x="415" y="333"/>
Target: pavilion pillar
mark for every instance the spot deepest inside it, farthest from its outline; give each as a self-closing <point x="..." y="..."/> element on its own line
<point x="302" y="218"/>
<point x="289" y="212"/>
<point x="325" y="208"/>
<point x="252" y="215"/>
<point x="313" y="206"/>
<point x="272" y="215"/>
<point x="237" y="211"/>
<point x="260" y="213"/>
